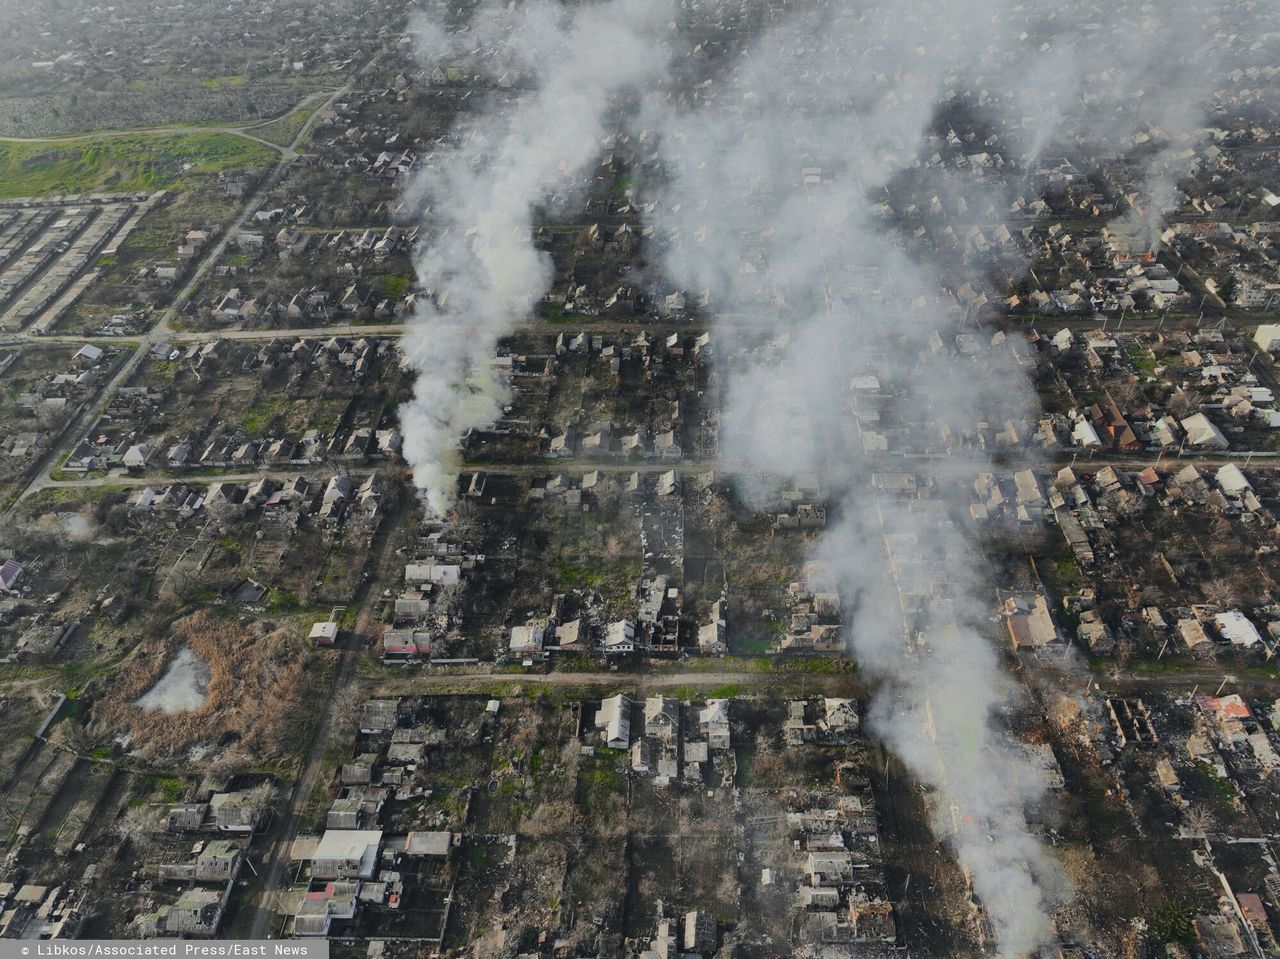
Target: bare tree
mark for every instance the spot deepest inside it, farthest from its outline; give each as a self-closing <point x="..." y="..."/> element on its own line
<point x="465" y="519"/>
<point x="1183" y="404"/>
<point x="1221" y="591"/>
<point x="1123" y="504"/>
<point x="137" y="826"/>
<point x="1201" y="819"/>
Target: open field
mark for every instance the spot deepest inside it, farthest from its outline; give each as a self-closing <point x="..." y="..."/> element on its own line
<point x="283" y="129"/>
<point x="120" y="163"/>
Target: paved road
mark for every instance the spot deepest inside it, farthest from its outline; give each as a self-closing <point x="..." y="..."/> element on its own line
<point x="204" y="479"/>
<point x="938" y="466"/>
<point x="1117" y="681"/>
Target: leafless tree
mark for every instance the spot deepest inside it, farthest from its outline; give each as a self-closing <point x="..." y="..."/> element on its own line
<point x="1201" y="819"/>
<point x="1221" y="591"/>
<point x="1183" y="404"/>
<point x="137" y="826"/>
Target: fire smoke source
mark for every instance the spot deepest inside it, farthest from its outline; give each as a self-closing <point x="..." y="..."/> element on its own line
<point x="768" y="174"/>
<point x="766" y="211"/>
<point x="479" y="265"/>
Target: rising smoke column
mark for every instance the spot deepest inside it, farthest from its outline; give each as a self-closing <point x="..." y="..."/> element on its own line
<point x="1132" y="81"/>
<point x="478" y="262"/>
<point x="765" y="211"/>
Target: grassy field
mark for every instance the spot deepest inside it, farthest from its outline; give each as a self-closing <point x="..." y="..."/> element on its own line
<point x="134" y="162"/>
<point x="284" y="129"/>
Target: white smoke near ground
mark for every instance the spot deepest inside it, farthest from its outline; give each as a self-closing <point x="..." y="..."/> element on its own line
<point x="764" y="215"/>
<point x="1130" y="81"/>
<point x="478" y="263"/>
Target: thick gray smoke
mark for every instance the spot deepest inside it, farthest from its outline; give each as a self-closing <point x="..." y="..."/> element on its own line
<point x="478" y="263"/>
<point x="1135" y="84"/>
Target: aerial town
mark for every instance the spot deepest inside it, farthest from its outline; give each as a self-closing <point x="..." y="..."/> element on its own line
<point x="642" y="479"/>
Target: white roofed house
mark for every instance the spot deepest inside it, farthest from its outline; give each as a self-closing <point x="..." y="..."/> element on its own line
<point x="346" y="854"/>
<point x="1084" y="435"/>
<point x="527" y="640"/>
<point x="1203" y="434"/>
<point x="1236" y="628"/>
<point x="620" y="637"/>
<point x="613" y="719"/>
<point x="713" y="723"/>
<point x="324" y="633"/>
<point x="1165" y="432"/>
<point x="437" y="574"/>
<point x="88" y="355"/>
<point x="1232" y="480"/>
<point x="1268" y="337"/>
<point x="137" y="456"/>
<point x="1030" y="492"/>
<point x="334" y="500"/>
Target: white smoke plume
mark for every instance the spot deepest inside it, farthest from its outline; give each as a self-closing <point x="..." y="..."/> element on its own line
<point x="765" y="213"/>
<point x="478" y="262"/>
<point x="772" y="162"/>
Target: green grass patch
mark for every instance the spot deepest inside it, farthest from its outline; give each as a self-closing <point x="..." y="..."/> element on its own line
<point x="220" y="83"/>
<point x="1175" y="665"/>
<point x="137" y="162"/>
<point x="395" y="286"/>
<point x="284" y="602"/>
<point x="1143" y="361"/>
<point x="171" y="788"/>
<point x="283" y="130"/>
<point x="579" y="577"/>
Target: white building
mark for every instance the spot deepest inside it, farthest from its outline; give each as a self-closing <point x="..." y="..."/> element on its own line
<point x="346" y="854"/>
<point x="1237" y="629"/>
<point x="1232" y="480"/>
<point x="613" y="719"/>
<point x="620" y="637"/>
<point x="1202" y="434"/>
<point x="1268" y="336"/>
